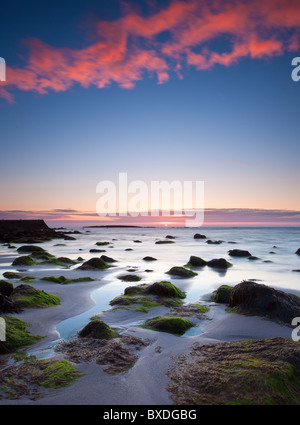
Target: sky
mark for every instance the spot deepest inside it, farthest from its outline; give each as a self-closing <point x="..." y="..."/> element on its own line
<point x="161" y="90"/>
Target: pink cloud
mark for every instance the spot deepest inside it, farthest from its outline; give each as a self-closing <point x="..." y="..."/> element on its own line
<point x="126" y="50"/>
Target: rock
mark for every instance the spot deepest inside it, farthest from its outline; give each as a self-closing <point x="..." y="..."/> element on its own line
<point x="257" y="299"/>
<point x="170" y="237"/>
<point x="129" y="278"/>
<point x="222" y="294"/>
<point x="252" y="372"/>
<point x="98" y="329"/>
<point x="239" y="253"/>
<point x="137" y="241"/>
<point x="134" y="290"/>
<point x="94" y="264"/>
<point x="128" y="249"/>
<point x="30" y="249"/>
<point x="25" y="260"/>
<point x="210" y="242"/>
<point x="174" y="325"/>
<point x="199" y="236"/>
<point x="148" y="258"/>
<point x="219" y="263"/>
<point x="164" y="242"/>
<point x="8" y="306"/>
<point x="298" y="251"/>
<point x="181" y="272"/>
<point x="30" y="297"/>
<point x="94" y="250"/>
<point x="27" y="231"/>
<point x="108" y="259"/>
<point x="196" y="261"/>
<point x="66" y="260"/>
<point x="6" y="288"/>
<point x="164" y="289"/>
<point x="12" y="275"/>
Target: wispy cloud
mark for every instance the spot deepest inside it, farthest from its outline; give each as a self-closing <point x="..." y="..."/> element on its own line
<point x="225" y="216"/>
<point x="128" y="48"/>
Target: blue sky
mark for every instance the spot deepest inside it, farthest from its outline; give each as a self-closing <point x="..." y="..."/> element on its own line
<point x="235" y="127"/>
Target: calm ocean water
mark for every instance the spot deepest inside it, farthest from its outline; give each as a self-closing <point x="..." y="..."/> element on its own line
<point x="275" y="247"/>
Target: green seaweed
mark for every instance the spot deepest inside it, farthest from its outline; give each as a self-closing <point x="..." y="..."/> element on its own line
<point x="62" y="280"/>
<point x="16" y="333"/>
<point x="174" y="325"/>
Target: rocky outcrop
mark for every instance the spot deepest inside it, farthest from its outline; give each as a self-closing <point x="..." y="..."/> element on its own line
<point x="257" y="299"/>
<point x="27" y="231"/>
<point x="94" y="264"/>
<point x="199" y="236"/>
<point x="257" y="372"/>
<point x="98" y="329"/>
<point x="239" y="253"/>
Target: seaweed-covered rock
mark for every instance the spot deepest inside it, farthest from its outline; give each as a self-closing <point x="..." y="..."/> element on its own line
<point x="108" y="259"/>
<point x="30" y="249"/>
<point x="181" y="272"/>
<point x="199" y="236"/>
<point x="219" y="263"/>
<point x="222" y="294"/>
<point x="30" y="297"/>
<point x="257" y="299"/>
<point x="6" y="288"/>
<point x="210" y="242"/>
<point x="24" y="260"/>
<point x="66" y="260"/>
<point x="239" y="253"/>
<point x="174" y="325"/>
<point x="252" y="372"/>
<point x="196" y="261"/>
<point x="98" y="329"/>
<point x="94" y="264"/>
<point x="164" y="289"/>
<point x="129" y="278"/>
<point x="12" y="275"/>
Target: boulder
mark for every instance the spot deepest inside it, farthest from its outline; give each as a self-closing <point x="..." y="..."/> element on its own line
<point x="97" y="329"/>
<point x="181" y="272"/>
<point x="107" y="259"/>
<point x="164" y="289"/>
<point x="6" y="288"/>
<point x="298" y="251"/>
<point x="148" y="258"/>
<point x="199" y="236"/>
<point x="196" y="261"/>
<point x="94" y="264"/>
<point x="219" y="263"/>
<point x="239" y="253"/>
<point x="258" y="299"/>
